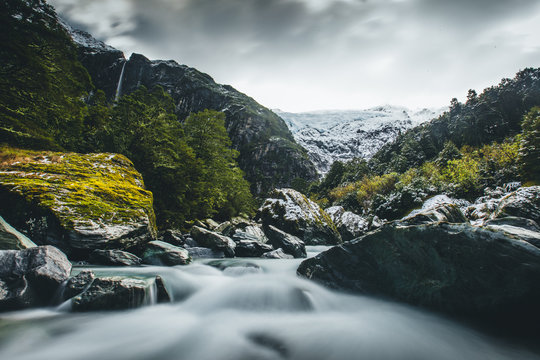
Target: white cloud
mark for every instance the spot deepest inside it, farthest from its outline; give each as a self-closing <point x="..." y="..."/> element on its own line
<point x="313" y="54"/>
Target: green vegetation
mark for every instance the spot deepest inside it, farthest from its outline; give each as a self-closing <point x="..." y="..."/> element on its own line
<point x="48" y="102"/>
<point x="529" y="152"/>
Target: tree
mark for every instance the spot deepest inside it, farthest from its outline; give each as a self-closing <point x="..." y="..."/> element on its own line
<point x="222" y="188"/>
<point x="529" y="152"/>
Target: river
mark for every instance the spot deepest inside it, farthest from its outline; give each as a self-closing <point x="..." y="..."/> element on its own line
<point x="253" y="309"/>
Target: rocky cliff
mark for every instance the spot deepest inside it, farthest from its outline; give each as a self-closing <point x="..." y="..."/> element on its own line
<point x="269" y="154"/>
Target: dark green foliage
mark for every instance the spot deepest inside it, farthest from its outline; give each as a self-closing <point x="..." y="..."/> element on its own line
<point x="222" y="188"/>
<point x="449" y="152"/>
<point x="42" y="85"/>
<point x="529" y="152"/>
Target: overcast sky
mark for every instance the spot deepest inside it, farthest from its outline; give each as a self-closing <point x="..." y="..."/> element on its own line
<point x="300" y="55"/>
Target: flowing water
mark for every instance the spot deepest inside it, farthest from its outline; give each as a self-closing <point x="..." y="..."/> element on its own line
<point x="120" y="80"/>
<point x="253" y="309"/>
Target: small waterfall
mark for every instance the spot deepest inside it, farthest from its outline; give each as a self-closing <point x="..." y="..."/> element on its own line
<point x="119" y="87"/>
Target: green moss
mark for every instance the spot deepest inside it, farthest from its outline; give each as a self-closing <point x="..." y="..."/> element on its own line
<point x="78" y="188"/>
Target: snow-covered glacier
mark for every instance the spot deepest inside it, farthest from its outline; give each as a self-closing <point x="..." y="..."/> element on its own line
<point x="332" y="135"/>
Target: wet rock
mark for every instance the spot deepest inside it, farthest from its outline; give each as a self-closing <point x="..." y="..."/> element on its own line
<point x="524" y="202"/>
<point x="204" y="253"/>
<point x="114" y="258"/>
<point x="442" y="212"/>
<point x="349" y="224"/>
<point x="173" y="237"/>
<point x="294" y="213"/>
<point x="515" y="221"/>
<point x="31" y="277"/>
<point x="78" y="284"/>
<point x="458" y="269"/>
<point x="277" y="254"/>
<point x="213" y="240"/>
<point x="161" y="253"/>
<point x="11" y="239"/>
<point x="251" y="248"/>
<point x="114" y="293"/>
<point x="289" y="243"/>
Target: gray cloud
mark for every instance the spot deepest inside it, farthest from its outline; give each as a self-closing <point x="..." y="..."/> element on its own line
<point x="307" y="54"/>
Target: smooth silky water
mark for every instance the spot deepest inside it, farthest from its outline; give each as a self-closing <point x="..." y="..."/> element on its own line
<point x="243" y="312"/>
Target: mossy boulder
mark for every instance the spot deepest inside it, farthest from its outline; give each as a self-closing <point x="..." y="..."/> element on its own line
<point x="77" y="202"/>
<point x="292" y="212"/>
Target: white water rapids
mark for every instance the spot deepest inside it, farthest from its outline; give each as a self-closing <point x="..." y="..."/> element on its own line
<point x="244" y="313"/>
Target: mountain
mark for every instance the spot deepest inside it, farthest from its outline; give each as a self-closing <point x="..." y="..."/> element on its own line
<point x="343" y="135"/>
<point x="269" y="155"/>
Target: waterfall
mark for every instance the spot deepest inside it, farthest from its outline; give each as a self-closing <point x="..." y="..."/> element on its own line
<point x="119" y="87"/>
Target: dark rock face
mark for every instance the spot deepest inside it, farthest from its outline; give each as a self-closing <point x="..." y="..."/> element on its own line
<point x="290" y="244"/>
<point x="30" y="277"/>
<point x="114" y="258"/>
<point x="294" y="213"/>
<point x="213" y="240"/>
<point x="161" y="253"/>
<point x="454" y="268"/>
<point x="11" y="239"/>
<point x="524" y="202"/>
<point x="269" y="155"/>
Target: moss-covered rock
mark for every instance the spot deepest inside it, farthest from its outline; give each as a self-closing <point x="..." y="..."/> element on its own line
<point x="76" y="202"/>
<point x="292" y="212"/>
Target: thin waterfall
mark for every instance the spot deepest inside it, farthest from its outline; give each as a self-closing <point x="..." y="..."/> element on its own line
<point x="119" y="87"/>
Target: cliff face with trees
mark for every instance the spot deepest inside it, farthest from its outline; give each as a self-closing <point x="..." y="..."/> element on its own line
<point x="63" y="90"/>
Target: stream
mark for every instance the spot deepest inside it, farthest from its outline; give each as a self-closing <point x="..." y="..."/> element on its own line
<point x="244" y="309"/>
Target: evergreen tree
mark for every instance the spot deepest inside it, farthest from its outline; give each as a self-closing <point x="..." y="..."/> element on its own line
<point x="222" y="189"/>
<point x="530" y="145"/>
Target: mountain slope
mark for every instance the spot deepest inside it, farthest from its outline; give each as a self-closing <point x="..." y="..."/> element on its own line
<point x="343" y="135"/>
<point x="491" y="116"/>
<point x="269" y="154"/>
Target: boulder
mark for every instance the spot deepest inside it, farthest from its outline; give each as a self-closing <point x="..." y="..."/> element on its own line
<point x="115" y="293"/>
<point x="524" y="202"/>
<point x="251" y="248"/>
<point x="515" y="221"/>
<point x="31" y="277"/>
<point x="161" y="253"/>
<point x="204" y="253"/>
<point x="114" y="258"/>
<point x="289" y="243"/>
<point x="439" y="213"/>
<point x="76" y="202"/>
<point x="457" y="269"/>
<point x="173" y="237"/>
<point x="277" y="254"/>
<point x="349" y="224"/>
<point x="11" y="239"/>
<point x="213" y="240"/>
<point x="77" y="284"/>
<point x="294" y="213"/>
